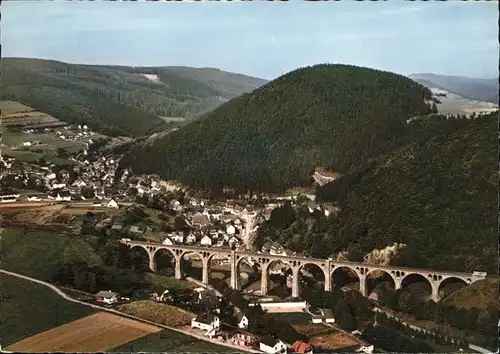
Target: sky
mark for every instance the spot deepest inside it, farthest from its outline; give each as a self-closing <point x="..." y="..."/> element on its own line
<point x="261" y="39"/>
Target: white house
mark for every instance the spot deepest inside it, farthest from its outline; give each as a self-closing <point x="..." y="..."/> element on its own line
<point x="365" y="349"/>
<point x="66" y="198"/>
<point x="79" y="183"/>
<point x="206" y="241"/>
<point x="168" y="241"/>
<point x="233" y="241"/>
<point x="230" y="230"/>
<point x="34" y="199"/>
<point x="190" y="238"/>
<point x="177" y="237"/>
<point x="242" y="320"/>
<point x="272" y="345"/>
<point x="108" y="297"/>
<point x="205" y="322"/>
<point x="317" y="319"/>
<point x="174" y="204"/>
<point x="112" y="203"/>
<point x="327" y="315"/>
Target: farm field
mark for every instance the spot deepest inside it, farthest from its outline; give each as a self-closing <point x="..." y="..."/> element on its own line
<point x="30" y="156"/>
<point x="10" y="107"/>
<point x="455" y="104"/>
<point x="38" y="254"/>
<point x="17" y="117"/>
<point x="324" y="337"/>
<point x="170" y="341"/>
<point x="173" y="119"/>
<point x="157" y="312"/>
<point x="29" y="308"/>
<point x="95" y="333"/>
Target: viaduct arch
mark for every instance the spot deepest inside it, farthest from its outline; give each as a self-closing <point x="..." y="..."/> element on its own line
<point x="328" y="266"/>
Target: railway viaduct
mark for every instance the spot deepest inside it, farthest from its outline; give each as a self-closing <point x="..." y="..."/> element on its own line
<point x="328" y="266"/>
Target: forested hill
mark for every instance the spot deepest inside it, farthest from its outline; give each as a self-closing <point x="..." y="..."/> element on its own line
<point x="118" y="100"/>
<point x="437" y="194"/>
<point x="336" y="116"/>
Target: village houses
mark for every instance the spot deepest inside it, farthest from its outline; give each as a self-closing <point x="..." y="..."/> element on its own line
<point x="272" y="345"/>
<point x="208" y="323"/>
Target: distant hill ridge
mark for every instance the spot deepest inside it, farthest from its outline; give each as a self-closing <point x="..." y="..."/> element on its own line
<point x="335" y="116"/>
<point x="478" y="89"/>
<point x="119" y="100"/>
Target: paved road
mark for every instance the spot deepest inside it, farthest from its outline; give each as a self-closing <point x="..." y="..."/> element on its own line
<point x="69" y="298"/>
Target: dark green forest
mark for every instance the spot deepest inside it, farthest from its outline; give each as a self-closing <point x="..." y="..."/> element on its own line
<point x="336" y="116"/>
<point x="437" y="194"/>
<point x="118" y="100"/>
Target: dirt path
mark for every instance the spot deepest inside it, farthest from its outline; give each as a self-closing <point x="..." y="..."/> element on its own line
<point x="63" y="295"/>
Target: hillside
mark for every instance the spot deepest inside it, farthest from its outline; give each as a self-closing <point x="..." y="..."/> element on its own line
<point x="337" y="116"/>
<point x="437" y="194"/>
<point x="119" y="100"/>
<point x="477" y="89"/>
<point x="482" y="294"/>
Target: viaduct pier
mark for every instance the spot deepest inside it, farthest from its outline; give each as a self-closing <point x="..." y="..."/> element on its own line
<point x="328" y="266"/>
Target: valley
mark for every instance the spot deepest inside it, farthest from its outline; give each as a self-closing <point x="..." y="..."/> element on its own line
<point x="241" y="210"/>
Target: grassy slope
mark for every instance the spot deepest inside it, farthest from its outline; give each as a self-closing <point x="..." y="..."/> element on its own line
<point x="335" y="115"/>
<point x="33" y="308"/>
<point x="229" y="84"/>
<point x="160" y="313"/>
<point x="172" y="342"/>
<point x="117" y="100"/>
<point x="38" y="254"/>
<point x="10" y="107"/>
<point x="482" y="294"/>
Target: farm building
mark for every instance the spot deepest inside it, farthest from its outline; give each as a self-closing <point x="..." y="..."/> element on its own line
<point x="317" y="319"/>
<point x="365" y="349"/>
<point x="327" y="315"/>
<point x="108" y="297"/>
<point x="302" y="347"/>
<point x="206" y="322"/>
<point x="112" y="203"/>
<point x="243" y="338"/>
<point x="206" y="241"/>
<point x="242" y="320"/>
<point x="272" y="345"/>
<point x="168" y="241"/>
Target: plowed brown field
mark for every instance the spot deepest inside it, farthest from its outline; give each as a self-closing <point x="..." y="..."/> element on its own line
<point x="95" y="333"/>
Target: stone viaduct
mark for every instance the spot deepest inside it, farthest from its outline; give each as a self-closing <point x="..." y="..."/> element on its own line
<point x="328" y="266"/>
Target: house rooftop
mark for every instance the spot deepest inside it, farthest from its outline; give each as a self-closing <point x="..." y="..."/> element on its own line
<point x="327" y="313"/>
<point x="205" y="318"/>
<point x="269" y="341"/>
<point x="106" y="294"/>
<point x="301" y="347"/>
